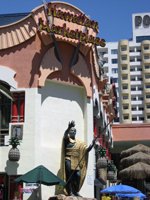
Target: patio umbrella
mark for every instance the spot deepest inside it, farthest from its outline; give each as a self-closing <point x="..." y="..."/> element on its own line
<point x="135" y="149"/>
<point x="40" y="175"/>
<point x="137" y="171"/>
<point x="116" y="189"/>
<point x="128" y="195"/>
<point x="134" y="158"/>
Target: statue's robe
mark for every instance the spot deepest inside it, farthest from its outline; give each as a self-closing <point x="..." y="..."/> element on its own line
<point x="79" y="159"/>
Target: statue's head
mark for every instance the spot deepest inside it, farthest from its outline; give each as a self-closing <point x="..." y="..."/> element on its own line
<point x="72" y="133"/>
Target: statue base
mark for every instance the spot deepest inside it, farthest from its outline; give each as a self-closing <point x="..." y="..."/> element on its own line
<point x="64" y="197"/>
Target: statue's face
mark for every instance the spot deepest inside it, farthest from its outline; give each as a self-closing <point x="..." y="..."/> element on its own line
<point x="72" y="133"/>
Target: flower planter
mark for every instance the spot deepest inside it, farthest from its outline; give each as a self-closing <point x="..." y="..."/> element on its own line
<point x="14" y="154"/>
<point x="101" y="162"/>
<point x="102" y="174"/>
<point x="110" y="175"/>
<point x="114" y="180"/>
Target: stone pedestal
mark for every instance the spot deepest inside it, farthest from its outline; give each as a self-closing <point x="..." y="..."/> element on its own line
<point x="63" y="197"/>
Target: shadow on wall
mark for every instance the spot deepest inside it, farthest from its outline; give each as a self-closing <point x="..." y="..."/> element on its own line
<point x="11" y="167"/>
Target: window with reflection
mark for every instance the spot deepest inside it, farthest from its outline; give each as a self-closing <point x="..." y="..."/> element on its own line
<point x="11" y="109"/>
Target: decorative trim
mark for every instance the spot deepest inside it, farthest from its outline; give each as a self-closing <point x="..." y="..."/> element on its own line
<point x="17" y="33"/>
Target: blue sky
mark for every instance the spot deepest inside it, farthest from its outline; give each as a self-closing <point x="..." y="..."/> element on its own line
<point x="114" y="16"/>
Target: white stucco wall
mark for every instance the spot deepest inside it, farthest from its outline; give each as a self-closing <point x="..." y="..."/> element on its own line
<point x="48" y="112"/>
<point x="7" y="75"/>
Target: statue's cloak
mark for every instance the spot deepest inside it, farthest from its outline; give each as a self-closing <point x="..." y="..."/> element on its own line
<point x="82" y="164"/>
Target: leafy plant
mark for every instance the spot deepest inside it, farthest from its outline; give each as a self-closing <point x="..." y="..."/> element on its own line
<point x="14" y="142"/>
<point x="100" y="151"/>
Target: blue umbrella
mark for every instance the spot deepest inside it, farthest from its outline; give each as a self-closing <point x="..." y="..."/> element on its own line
<point x="139" y="195"/>
<point x="120" y="189"/>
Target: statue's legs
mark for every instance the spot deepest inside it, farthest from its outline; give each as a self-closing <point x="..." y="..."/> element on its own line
<point x="68" y="176"/>
<point x="76" y="182"/>
<point x="72" y="179"/>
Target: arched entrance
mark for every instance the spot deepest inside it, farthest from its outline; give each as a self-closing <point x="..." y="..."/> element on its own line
<point x="60" y="103"/>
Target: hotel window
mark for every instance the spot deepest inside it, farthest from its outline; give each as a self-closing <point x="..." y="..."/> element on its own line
<point x="138" y="59"/>
<point x="126" y="107"/>
<point x="140" y="88"/>
<point x="134" y="109"/>
<point x="134" y="118"/>
<point x="141" y="38"/>
<point x="114" y="71"/>
<point x="141" y="118"/>
<point x="148" y="116"/>
<point x="123" y="48"/>
<point x="114" y="61"/>
<point x="132" y="69"/>
<point x="139" y="69"/>
<point x="124" y="57"/>
<point x="126" y="117"/>
<point x="147" y="76"/>
<point x="146" y="57"/>
<point x="146" y="47"/>
<point x="125" y="87"/>
<point x="147" y="66"/>
<point x="147" y="86"/>
<point x="132" y="59"/>
<point x="115" y="80"/>
<point x="148" y="106"/>
<point x="147" y="96"/>
<point x="133" y="78"/>
<point x="114" y="51"/>
<point x="125" y="77"/>
<point x="140" y="98"/>
<point x="139" y="78"/>
<point x="133" y="99"/>
<point x="133" y="88"/>
<point x="141" y="108"/>
<point x="138" y="49"/>
<point x="132" y="49"/>
<point x="125" y="96"/>
<point x="124" y="67"/>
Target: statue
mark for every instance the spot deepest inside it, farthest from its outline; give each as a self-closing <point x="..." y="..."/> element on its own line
<point x="74" y="161"/>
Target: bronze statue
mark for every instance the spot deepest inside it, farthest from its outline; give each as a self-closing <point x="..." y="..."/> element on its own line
<point x="74" y="161"/>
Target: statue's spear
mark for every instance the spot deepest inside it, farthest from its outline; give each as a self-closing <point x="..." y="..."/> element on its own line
<point x="88" y="149"/>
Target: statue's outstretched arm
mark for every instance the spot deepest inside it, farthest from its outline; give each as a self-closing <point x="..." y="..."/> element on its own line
<point x="91" y="145"/>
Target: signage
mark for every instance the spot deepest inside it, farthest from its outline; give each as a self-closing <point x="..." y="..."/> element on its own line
<point x="145" y="20"/>
<point x="80" y="19"/>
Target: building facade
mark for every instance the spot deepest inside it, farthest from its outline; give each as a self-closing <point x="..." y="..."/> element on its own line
<point x="49" y="65"/>
<point x="127" y="62"/>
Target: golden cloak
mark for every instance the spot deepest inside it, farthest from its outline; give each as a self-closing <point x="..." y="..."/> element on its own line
<point x="81" y="165"/>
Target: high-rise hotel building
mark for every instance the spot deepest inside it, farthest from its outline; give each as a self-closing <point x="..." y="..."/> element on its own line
<point x="127" y="63"/>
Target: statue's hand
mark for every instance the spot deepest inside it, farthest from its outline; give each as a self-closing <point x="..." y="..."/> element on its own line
<point x="91" y="145"/>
